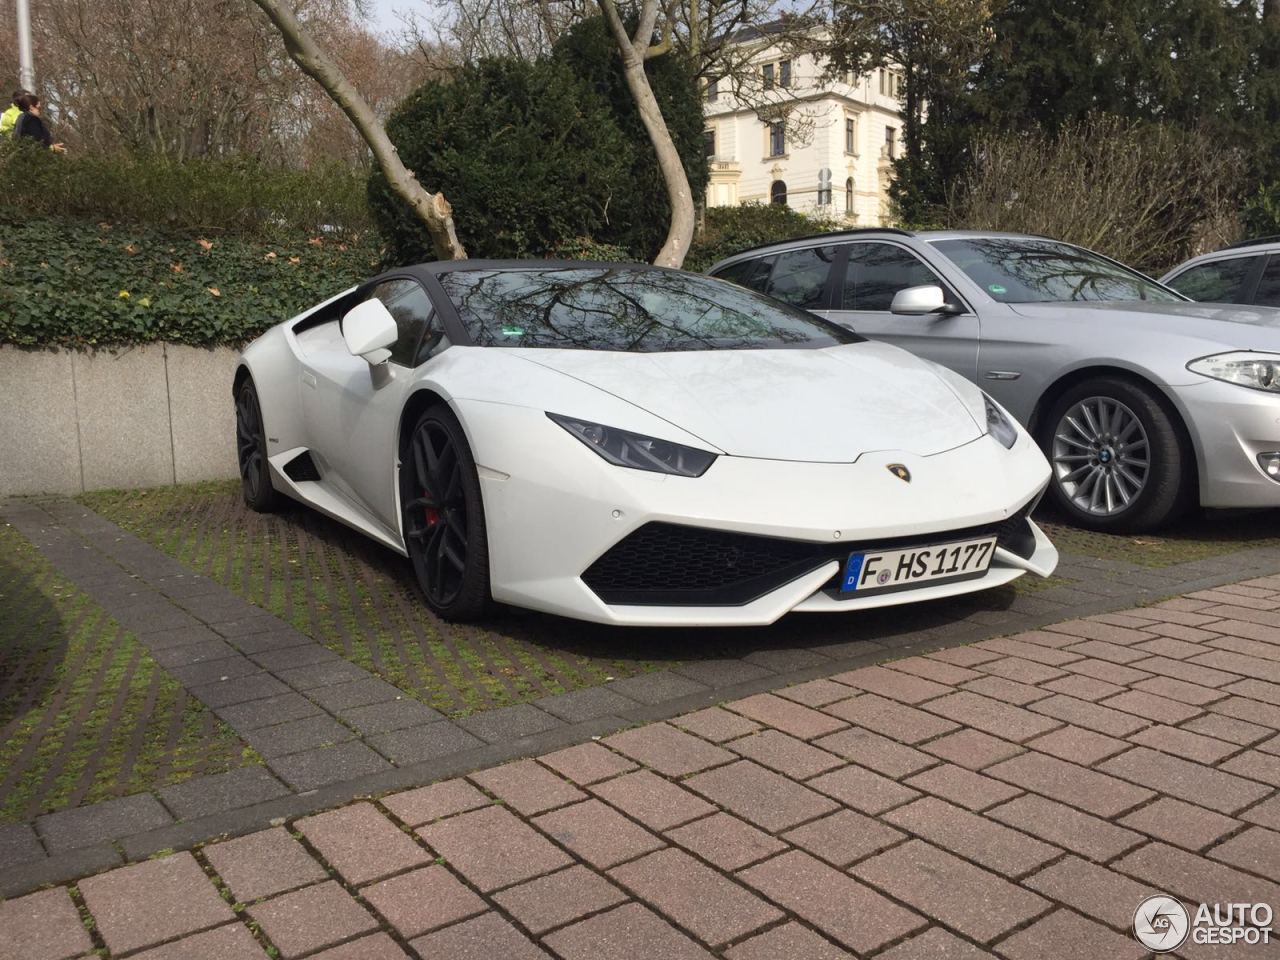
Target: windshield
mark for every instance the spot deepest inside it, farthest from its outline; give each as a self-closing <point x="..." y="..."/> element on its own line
<point x="627" y="308"/>
<point x="1021" y="270"/>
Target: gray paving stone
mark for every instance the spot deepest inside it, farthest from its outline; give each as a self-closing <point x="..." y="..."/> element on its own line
<point x="18" y="844"/>
<point x="178" y="636"/>
<point x="423" y="743"/>
<point x="219" y="792"/>
<point x="656" y="687"/>
<point x="315" y="768"/>
<point x="98" y="822"/>
<point x="246" y="626"/>
<point x="354" y="694"/>
<point x="143" y="621"/>
<point x="721" y="673"/>
<point x="186" y="585"/>
<point x="298" y="735"/>
<point x="585" y="704"/>
<point x="785" y="659"/>
<point x="387" y="716"/>
<point x="218" y="607"/>
<point x="287" y="658"/>
<point x="189" y="653"/>
<point x="198" y="674"/>
<point x="223" y="693"/>
<point x="268" y="711"/>
<point x="323" y="674"/>
<point x="509" y="723"/>
<point x="280" y="637"/>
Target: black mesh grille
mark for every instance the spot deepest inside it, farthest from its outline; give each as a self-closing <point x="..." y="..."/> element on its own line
<point x="671" y="564"/>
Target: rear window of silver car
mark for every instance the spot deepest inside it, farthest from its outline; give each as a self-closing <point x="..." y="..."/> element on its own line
<point x="627" y="308"/>
<point x="1018" y="270"/>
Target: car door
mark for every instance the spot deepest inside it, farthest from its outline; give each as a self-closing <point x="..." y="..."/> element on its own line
<point x="352" y="409"/>
<point x="874" y="271"/>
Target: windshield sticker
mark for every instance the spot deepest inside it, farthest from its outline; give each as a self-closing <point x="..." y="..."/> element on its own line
<point x="997" y="288"/>
<point x="509" y="331"/>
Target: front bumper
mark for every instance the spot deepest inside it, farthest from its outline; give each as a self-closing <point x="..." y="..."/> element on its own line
<point x="553" y="509"/>
<point x="1230" y="425"/>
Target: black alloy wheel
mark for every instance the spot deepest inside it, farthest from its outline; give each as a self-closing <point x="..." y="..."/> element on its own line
<point x="443" y="517"/>
<point x="251" y="451"/>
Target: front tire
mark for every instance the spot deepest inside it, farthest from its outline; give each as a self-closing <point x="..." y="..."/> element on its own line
<point x="442" y="516"/>
<point x="1119" y="461"/>
<point x="251" y="451"/>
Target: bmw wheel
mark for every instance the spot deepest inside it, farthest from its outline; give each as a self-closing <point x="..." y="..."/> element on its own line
<point x="251" y="451"/>
<point x="1119" y="461"/>
<point x="443" y="517"/>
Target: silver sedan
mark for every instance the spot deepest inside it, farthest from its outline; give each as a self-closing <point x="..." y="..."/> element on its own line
<point x="1145" y="402"/>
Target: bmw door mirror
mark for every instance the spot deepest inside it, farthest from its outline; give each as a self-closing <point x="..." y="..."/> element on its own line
<point x="370" y="330"/>
<point x="920" y="301"/>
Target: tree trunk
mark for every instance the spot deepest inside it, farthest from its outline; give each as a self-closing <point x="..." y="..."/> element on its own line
<point x="432" y="209"/>
<point x="680" y="195"/>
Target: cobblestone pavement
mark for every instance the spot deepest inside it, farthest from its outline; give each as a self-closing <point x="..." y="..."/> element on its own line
<point x="1015" y="797"/>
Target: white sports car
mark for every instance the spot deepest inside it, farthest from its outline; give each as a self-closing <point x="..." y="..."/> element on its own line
<point x="632" y="445"/>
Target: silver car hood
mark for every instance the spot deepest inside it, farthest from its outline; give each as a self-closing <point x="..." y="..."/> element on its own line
<point x="1232" y="324"/>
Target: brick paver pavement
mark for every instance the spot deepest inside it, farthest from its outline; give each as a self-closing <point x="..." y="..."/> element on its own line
<point x="1015" y="798"/>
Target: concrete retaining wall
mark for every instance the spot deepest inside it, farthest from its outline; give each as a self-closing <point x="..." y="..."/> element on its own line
<point x="72" y="420"/>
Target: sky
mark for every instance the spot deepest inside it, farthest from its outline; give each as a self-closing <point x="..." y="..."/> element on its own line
<point x="382" y="13"/>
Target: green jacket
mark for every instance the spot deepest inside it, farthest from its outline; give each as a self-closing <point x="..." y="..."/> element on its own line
<point x="8" y="119"/>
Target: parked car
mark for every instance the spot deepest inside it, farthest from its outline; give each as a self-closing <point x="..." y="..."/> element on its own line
<point x="1144" y="402"/>
<point x="632" y="445"/>
<point x="1247" y="272"/>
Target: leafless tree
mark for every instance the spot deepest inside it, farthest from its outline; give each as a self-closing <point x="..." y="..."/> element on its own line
<point x="431" y="208"/>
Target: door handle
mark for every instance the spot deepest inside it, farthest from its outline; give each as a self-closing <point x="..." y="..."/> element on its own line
<point x="309" y="379"/>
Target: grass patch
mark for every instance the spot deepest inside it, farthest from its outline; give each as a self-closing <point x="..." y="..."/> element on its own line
<point x="85" y="713"/>
<point x="1198" y="536"/>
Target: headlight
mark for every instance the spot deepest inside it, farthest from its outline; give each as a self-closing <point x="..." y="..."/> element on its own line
<point x="627" y="449"/>
<point x="1259" y="371"/>
<point x="998" y="425"/>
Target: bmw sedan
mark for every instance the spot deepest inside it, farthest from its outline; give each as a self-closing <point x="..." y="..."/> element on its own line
<point x="1145" y="403"/>
<point x="631" y="445"/>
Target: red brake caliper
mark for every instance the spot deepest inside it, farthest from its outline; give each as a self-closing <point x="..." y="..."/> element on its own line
<point x="433" y="515"/>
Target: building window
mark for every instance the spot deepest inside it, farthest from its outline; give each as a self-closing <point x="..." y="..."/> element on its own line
<point x="848" y="135"/>
<point x="848" y="196"/>
<point x="777" y="138"/>
<point x="709" y="142"/>
<point x="784" y="73"/>
<point x="713" y="89"/>
<point x="884" y="84"/>
<point x="767" y="72"/>
<point x="778" y="193"/>
<point x="891" y="142"/>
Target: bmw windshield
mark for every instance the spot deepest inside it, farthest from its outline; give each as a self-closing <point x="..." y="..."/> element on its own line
<point x="1027" y="270"/>
<point x="627" y="308"/>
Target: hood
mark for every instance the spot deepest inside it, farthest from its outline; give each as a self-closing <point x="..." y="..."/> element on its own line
<point x="830" y="405"/>
<point x="1235" y="325"/>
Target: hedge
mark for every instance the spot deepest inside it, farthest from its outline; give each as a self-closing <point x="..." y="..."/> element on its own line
<point x="72" y="282"/>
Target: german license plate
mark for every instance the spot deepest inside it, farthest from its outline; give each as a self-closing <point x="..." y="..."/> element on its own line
<point x="915" y="566"/>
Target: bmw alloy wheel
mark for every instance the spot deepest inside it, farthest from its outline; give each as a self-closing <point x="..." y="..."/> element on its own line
<point x="1101" y="456"/>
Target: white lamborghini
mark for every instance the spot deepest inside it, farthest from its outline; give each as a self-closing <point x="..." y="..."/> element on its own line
<point x="632" y="445"/>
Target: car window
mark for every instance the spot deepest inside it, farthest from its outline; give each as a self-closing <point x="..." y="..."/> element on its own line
<point x="1219" y="281"/>
<point x="414" y="316"/>
<point x="1036" y="270"/>
<point x="1268" y="294"/>
<point x="627" y="308"/>
<point x="752" y="274"/>
<point x="877" y="271"/>
<point x="800" y="277"/>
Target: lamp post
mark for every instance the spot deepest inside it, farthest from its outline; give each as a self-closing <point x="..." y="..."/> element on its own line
<point x="26" y="67"/>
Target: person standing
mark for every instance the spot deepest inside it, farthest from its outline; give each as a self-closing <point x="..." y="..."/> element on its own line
<point x="10" y="116"/>
<point x="30" y="124"/>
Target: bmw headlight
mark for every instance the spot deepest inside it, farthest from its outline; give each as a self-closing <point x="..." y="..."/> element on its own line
<point x="627" y="449"/>
<point x="999" y="425"/>
<point x="1259" y="371"/>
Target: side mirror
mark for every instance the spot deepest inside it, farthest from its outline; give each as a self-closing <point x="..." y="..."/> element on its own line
<point x="919" y="301"/>
<point x="370" y="330"/>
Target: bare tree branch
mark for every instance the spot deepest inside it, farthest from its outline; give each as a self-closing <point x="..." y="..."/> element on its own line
<point x="431" y="208"/>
